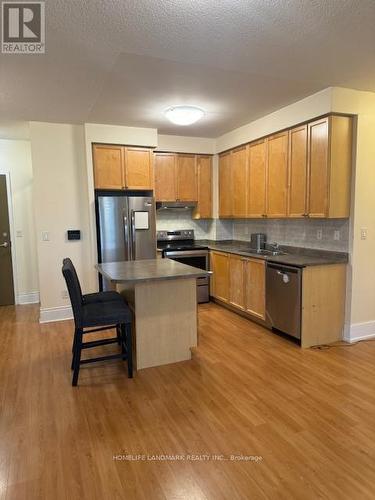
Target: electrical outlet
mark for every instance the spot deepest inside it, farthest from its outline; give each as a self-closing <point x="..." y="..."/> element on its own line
<point x="363" y="233"/>
<point x="319" y="234"/>
<point x="336" y="235"/>
<point x="64" y="294"/>
<point x="19" y="233"/>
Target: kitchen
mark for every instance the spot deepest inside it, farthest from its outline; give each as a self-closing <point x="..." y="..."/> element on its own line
<point x="203" y="175"/>
<point x="301" y="173"/>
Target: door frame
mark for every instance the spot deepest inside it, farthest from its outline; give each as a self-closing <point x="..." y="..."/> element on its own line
<point x="12" y="232"/>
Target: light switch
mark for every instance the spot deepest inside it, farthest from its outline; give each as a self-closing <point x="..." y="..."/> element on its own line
<point x="45" y="236"/>
<point x="19" y="233"/>
<point x="363" y="233"/>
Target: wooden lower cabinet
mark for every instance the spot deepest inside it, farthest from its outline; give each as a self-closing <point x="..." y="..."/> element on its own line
<point x="239" y="281"/>
<point x="255" y="287"/>
<point x="236" y="281"/>
<point x="220" y="278"/>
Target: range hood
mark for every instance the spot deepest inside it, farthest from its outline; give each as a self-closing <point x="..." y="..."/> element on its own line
<point x="175" y="205"/>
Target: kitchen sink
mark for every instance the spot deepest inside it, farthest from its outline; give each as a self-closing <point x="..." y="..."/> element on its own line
<point x="269" y="252"/>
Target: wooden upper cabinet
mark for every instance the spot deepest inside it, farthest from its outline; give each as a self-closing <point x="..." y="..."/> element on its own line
<point x="108" y="166"/>
<point x="220" y="277"/>
<point x="297" y="184"/>
<point x="239" y="167"/>
<point x="329" y="166"/>
<point x="138" y="168"/>
<point x="187" y="189"/>
<point x="318" y="158"/>
<point x="255" y="287"/>
<point x="256" y="197"/>
<point x="204" y="173"/>
<point x="236" y="281"/>
<point x="277" y="175"/>
<point x="225" y="185"/>
<point x="165" y="177"/>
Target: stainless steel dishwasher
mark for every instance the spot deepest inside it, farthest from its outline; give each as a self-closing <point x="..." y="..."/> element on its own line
<point x="283" y="298"/>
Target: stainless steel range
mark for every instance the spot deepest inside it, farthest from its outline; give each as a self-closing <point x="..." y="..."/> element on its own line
<point x="180" y="245"/>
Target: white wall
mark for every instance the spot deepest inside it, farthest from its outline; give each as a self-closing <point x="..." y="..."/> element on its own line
<point x="182" y="144"/>
<point x="15" y="159"/>
<point x="61" y="203"/>
<point x="300" y="111"/>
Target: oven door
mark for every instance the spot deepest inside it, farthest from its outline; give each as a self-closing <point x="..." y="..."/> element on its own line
<point x="195" y="258"/>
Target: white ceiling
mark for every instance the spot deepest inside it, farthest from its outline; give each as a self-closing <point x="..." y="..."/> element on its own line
<point x="125" y="61"/>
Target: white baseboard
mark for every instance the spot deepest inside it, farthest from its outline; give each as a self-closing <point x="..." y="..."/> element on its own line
<point x="50" y="314"/>
<point x="28" y="298"/>
<point x="360" y="331"/>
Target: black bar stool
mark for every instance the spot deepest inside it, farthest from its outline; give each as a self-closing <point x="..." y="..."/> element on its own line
<point x="98" y="311"/>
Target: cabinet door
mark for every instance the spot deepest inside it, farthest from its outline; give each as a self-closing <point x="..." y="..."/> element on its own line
<point x="225" y="185"/>
<point x="108" y="167"/>
<point x="256" y="198"/>
<point x="187" y="178"/>
<point x="204" y="170"/>
<point x="297" y="204"/>
<point x="239" y="165"/>
<point x="277" y="175"/>
<point x="220" y="277"/>
<point x="165" y="176"/>
<point x="138" y="168"/>
<point x="236" y="281"/>
<point x="255" y="287"/>
<point x="318" y="159"/>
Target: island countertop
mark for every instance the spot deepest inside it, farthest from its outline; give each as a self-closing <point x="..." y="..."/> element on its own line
<point x="138" y="271"/>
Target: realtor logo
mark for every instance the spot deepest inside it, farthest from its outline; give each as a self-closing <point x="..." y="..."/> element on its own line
<point x="23" y="28"/>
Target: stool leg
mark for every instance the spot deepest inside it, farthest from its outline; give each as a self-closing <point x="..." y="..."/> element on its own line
<point x="77" y="357"/>
<point x="129" y="348"/>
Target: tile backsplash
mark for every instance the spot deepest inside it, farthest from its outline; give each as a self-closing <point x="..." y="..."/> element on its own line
<point x="295" y="232"/>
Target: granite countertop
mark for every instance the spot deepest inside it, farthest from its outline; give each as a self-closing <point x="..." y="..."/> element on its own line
<point x="136" y="271"/>
<point x="295" y="256"/>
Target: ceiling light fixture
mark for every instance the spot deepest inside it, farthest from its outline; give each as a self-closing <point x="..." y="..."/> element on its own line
<point x="184" y="115"/>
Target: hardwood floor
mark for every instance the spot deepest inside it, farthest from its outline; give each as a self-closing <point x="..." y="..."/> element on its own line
<point x="309" y="414"/>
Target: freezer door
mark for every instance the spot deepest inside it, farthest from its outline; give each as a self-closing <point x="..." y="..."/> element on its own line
<point x="113" y="244"/>
<point x="142" y="227"/>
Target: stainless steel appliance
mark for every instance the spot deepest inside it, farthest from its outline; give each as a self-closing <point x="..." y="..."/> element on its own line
<point x="126" y="228"/>
<point x="179" y="245"/>
<point x="283" y="298"/>
<point x="258" y="241"/>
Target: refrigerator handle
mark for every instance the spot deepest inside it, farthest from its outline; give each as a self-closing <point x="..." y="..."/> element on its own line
<point x="127" y="238"/>
<point x="132" y="232"/>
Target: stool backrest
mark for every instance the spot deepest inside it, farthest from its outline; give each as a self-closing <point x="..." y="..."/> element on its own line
<point x="74" y="289"/>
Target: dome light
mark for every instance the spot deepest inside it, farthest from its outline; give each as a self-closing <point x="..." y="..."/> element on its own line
<point x="184" y="115"/>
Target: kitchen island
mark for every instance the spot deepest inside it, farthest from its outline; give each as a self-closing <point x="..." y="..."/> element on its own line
<point x="163" y="296"/>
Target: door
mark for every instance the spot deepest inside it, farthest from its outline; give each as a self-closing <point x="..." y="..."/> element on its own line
<point x="236" y="281"/>
<point x="318" y="168"/>
<point x="225" y="185"/>
<point x="297" y="205"/>
<point x="255" y="287"/>
<point x="138" y="168"/>
<point x="204" y="208"/>
<point x="220" y="269"/>
<point x="6" y="268"/>
<point x="256" y="198"/>
<point x="239" y="180"/>
<point x="113" y="246"/>
<point x="142" y="227"/>
<point x="165" y="177"/>
<point x="277" y="175"/>
<point x="187" y="189"/>
<point x="108" y="167"/>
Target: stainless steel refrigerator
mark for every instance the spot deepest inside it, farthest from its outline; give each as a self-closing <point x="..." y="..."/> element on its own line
<point x="126" y="228"/>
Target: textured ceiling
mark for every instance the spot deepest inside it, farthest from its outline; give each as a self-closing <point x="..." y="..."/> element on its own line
<point x="125" y="61"/>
